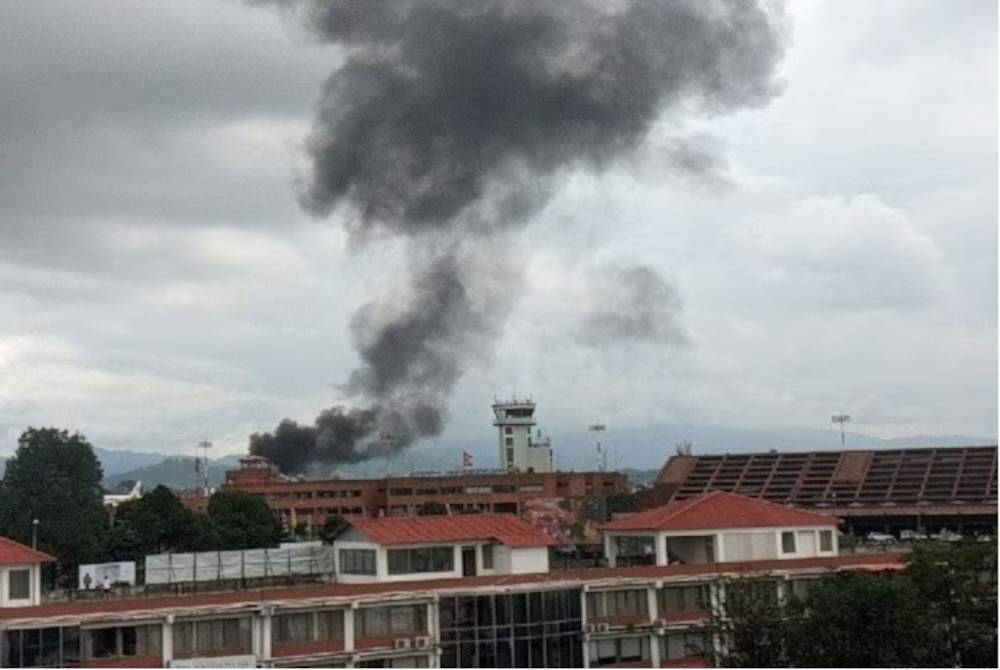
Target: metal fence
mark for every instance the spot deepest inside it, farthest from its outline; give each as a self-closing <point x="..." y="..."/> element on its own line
<point x="213" y="566"/>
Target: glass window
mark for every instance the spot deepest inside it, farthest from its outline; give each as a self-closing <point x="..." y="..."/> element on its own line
<point x="788" y="542"/>
<point x="487" y="557"/>
<point x="357" y="561"/>
<point x="423" y="559"/>
<point x="684" y="598"/>
<point x="19" y="583"/>
<point x="620" y="650"/>
<point x="229" y="636"/>
<point x="616" y="603"/>
<point x="826" y="540"/>
<point x="684" y="645"/>
<point x="400" y="620"/>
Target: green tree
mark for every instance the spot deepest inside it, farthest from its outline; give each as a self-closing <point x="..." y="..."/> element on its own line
<point x="862" y="620"/>
<point x="332" y="527"/>
<point x="56" y="478"/>
<point x="243" y="520"/>
<point x="751" y="623"/>
<point x="156" y="523"/>
<point x="958" y="586"/>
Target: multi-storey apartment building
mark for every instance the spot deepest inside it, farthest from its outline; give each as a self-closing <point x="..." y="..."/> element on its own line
<point x="641" y="616"/>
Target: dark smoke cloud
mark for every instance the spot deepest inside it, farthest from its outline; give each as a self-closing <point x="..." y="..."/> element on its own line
<point x="636" y="304"/>
<point x="447" y="122"/>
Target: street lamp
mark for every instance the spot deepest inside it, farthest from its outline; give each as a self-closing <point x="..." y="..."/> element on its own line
<point x="34" y="533"/>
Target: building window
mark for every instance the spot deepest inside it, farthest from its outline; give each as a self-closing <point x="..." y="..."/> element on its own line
<point x="620" y="650"/>
<point x="19" y="583"/>
<point x="122" y="641"/>
<point x="510" y="455"/>
<point x="386" y="621"/>
<point x="826" y="540"/>
<point x="422" y="559"/>
<point x="684" y="645"/>
<point x="487" y="557"/>
<point x="788" y="542"/>
<point x="509" y="441"/>
<point x="636" y="549"/>
<point x="357" y="561"/>
<point x="508" y="430"/>
<point x="684" y="598"/>
<point x="41" y="648"/>
<point x="404" y="662"/>
<point x="602" y="604"/>
<point x="212" y="636"/>
<point x="512" y="630"/>
<point x="308" y="627"/>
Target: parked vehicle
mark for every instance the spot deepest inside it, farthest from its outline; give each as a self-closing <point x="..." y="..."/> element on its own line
<point x="912" y="535"/>
<point x="880" y="537"/>
<point x="947" y="536"/>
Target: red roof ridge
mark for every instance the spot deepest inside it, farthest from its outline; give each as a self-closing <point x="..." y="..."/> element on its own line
<point x="508" y="529"/>
<point x="15" y="553"/>
<point x="743" y="512"/>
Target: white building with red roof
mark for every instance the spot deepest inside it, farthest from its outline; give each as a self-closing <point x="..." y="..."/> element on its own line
<point x="439" y="547"/>
<point x="20" y="574"/>
<point x="719" y="527"/>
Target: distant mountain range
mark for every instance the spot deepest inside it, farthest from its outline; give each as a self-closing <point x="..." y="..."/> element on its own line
<point x="639" y="450"/>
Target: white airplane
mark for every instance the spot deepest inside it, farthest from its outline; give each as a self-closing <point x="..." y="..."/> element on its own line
<point x="113" y="500"/>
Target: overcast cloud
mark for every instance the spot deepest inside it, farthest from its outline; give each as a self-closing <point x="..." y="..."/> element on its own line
<point x="159" y="283"/>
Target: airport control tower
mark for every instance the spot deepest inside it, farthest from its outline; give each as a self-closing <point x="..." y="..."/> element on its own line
<point x="519" y="451"/>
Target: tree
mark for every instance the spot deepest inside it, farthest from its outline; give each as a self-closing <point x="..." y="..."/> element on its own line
<point x="958" y="586"/>
<point x="432" y="508"/>
<point x="332" y="527"/>
<point x="56" y="478"/>
<point x="158" y="522"/>
<point x="862" y="620"/>
<point x="243" y="520"/>
<point x="751" y="624"/>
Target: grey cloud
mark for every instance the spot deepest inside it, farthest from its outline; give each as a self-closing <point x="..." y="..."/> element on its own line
<point x="632" y="303"/>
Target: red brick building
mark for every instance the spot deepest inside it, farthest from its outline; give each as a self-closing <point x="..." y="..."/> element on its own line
<point x="568" y="505"/>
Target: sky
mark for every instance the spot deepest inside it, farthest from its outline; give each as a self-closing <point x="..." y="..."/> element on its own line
<point x="160" y="284"/>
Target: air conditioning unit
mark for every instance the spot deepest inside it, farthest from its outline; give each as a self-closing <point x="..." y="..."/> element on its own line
<point x="591" y="627"/>
<point x="660" y="623"/>
<point x="603" y="627"/>
<point x="401" y="643"/>
<point x="422" y="642"/>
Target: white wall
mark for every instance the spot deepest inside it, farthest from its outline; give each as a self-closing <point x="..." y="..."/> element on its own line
<point x="36" y="585"/>
<point x="506" y="560"/>
<point x="529" y="559"/>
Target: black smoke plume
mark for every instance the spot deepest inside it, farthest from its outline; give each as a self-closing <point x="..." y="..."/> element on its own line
<point x="446" y="122"/>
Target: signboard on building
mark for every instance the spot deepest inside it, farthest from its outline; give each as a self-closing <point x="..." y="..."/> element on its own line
<point x="245" y="661"/>
<point x="96" y="575"/>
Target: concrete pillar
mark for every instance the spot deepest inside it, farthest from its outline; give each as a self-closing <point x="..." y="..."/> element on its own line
<point x="583" y="622"/>
<point x="264" y="631"/>
<point x="349" y="614"/>
<point x="167" y="641"/>
<point x="610" y="547"/>
<point x="651" y="604"/>
<point x="654" y="650"/>
<point x="660" y="544"/>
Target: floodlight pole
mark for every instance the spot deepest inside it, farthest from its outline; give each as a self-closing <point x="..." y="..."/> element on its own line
<point x="602" y="457"/>
<point x="841" y="419"/>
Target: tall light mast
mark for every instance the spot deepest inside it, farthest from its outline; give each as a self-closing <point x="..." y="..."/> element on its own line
<point x="602" y="457"/>
<point x="841" y="419"/>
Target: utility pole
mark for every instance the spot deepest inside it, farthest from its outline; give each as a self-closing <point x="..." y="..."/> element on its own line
<point x="201" y="466"/>
<point x="602" y="457"/>
<point x="841" y="419"/>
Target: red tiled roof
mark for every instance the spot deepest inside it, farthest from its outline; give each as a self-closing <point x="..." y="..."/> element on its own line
<point x="719" y="509"/>
<point x="15" y="553"/>
<point x="250" y="598"/>
<point x="506" y="529"/>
